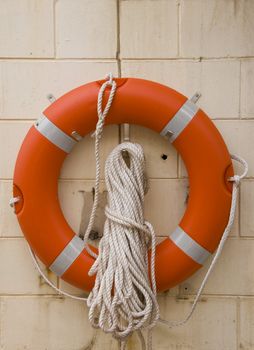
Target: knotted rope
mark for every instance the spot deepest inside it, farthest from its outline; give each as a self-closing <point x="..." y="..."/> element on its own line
<point x="123" y="299"/>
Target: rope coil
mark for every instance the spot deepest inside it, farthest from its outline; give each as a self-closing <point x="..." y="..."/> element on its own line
<point x="122" y="263"/>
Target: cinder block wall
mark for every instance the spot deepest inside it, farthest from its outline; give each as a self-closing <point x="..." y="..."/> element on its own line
<point x="51" y="46"/>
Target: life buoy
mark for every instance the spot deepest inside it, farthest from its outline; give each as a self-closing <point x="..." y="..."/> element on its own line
<point x="137" y="101"/>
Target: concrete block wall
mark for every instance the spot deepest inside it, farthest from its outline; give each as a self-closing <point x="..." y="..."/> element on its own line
<point x="51" y="46"/>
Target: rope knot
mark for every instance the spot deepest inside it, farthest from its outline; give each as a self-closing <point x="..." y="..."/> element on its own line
<point x="236" y="179"/>
<point x="109" y="77"/>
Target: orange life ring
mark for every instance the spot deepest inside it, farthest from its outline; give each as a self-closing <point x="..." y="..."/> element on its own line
<point x="137" y="101"/>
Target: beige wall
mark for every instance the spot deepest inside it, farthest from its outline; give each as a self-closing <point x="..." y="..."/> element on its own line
<point x="51" y="46"/>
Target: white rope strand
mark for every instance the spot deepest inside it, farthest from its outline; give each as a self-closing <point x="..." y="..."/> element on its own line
<point x="236" y="182"/>
<point x="98" y="134"/>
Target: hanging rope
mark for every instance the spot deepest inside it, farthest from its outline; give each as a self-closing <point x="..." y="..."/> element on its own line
<point x="122" y="263"/>
<point x="236" y="179"/>
<point x="123" y="299"/>
<point x="98" y="134"/>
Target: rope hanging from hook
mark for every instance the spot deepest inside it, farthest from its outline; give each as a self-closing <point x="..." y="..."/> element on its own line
<point x="123" y="299"/>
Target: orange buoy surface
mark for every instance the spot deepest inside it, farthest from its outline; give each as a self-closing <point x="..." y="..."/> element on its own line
<point x="141" y="102"/>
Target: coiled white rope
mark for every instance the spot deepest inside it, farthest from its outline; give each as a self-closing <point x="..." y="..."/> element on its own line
<point x="123" y="299"/>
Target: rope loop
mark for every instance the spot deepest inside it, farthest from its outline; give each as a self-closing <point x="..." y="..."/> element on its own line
<point x="98" y="134"/>
<point x="237" y="178"/>
<point x="103" y="113"/>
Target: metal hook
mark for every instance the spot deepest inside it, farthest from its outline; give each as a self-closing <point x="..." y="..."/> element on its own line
<point x="125" y="133"/>
<point x="76" y="135"/>
<point x="51" y="98"/>
<point x="196" y="97"/>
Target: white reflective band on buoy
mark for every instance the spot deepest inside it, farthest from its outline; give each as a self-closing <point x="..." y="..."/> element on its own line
<point x="180" y="120"/>
<point x="190" y="247"/>
<point x="68" y="255"/>
<point x="54" y="134"/>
